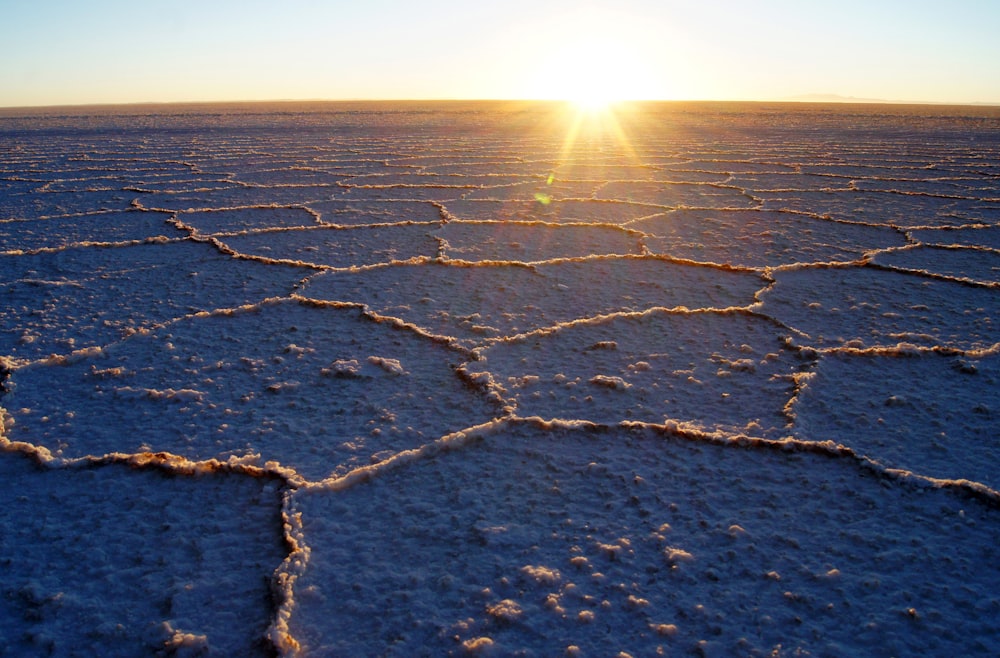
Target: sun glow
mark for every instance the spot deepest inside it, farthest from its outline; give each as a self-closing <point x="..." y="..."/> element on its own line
<point x="596" y="72"/>
<point x="594" y="103"/>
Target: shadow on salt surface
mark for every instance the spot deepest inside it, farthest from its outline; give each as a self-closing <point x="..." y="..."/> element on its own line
<point x="490" y="210"/>
<point x="344" y="162"/>
<point x="932" y="414"/>
<point x="88" y="296"/>
<point x="719" y="370"/>
<point x="58" y="204"/>
<point x="971" y="264"/>
<point x="354" y="212"/>
<point x="475" y="302"/>
<point x="544" y="208"/>
<point x="27" y="235"/>
<point x="14" y="189"/>
<point x="188" y="187"/>
<point x="970" y="236"/>
<point x="591" y="168"/>
<point x="885" y="208"/>
<point x="460" y="177"/>
<point x="940" y="187"/>
<point x="498" y="168"/>
<point x="526" y="243"/>
<point x="886" y="165"/>
<point x="866" y="307"/>
<point x="539" y="538"/>
<point x="442" y="193"/>
<point x="241" y="197"/>
<point x="683" y="175"/>
<point x="592" y="211"/>
<point x="790" y="180"/>
<point x="317" y="388"/>
<point x="339" y="247"/>
<point x="554" y="188"/>
<point x="734" y="161"/>
<point x="673" y="195"/>
<point x="291" y="175"/>
<point x="95" y="182"/>
<point x="246" y="219"/>
<point x="755" y="238"/>
<point x="116" y="561"/>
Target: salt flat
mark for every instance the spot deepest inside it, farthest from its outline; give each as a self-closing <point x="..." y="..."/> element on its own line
<point x="501" y="379"/>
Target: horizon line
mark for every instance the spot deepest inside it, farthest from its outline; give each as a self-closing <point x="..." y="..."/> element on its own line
<point x="803" y="99"/>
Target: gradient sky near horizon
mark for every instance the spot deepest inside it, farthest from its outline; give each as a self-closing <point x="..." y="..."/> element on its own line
<point x="120" y="51"/>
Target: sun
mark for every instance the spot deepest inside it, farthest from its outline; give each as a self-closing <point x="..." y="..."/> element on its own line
<point x="595" y="73"/>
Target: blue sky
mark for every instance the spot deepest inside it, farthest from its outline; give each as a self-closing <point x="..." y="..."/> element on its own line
<point x="111" y="51"/>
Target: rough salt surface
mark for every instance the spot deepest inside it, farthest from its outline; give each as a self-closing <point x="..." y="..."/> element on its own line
<point x="931" y="413"/>
<point x="638" y="542"/>
<point x="111" y="560"/>
<point x="259" y="381"/>
<point x="711" y="379"/>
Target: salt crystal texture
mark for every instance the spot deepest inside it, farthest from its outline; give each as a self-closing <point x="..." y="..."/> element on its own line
<point x="494" y="379"/>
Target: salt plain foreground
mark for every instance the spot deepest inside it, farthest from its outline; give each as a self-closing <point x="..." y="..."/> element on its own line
<point x="495" y="379"/>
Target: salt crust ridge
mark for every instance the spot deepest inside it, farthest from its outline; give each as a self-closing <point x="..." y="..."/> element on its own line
<point x="801" y="340"/>
<point x="297" y="562"/>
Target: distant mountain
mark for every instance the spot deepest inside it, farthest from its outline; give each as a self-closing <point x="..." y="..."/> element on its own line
<point x="835" y="98"/>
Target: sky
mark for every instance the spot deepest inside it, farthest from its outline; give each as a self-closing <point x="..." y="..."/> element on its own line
<point x="55" y="52"/>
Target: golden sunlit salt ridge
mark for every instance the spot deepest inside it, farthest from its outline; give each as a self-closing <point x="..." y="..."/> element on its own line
<point x="586" y="126"/>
